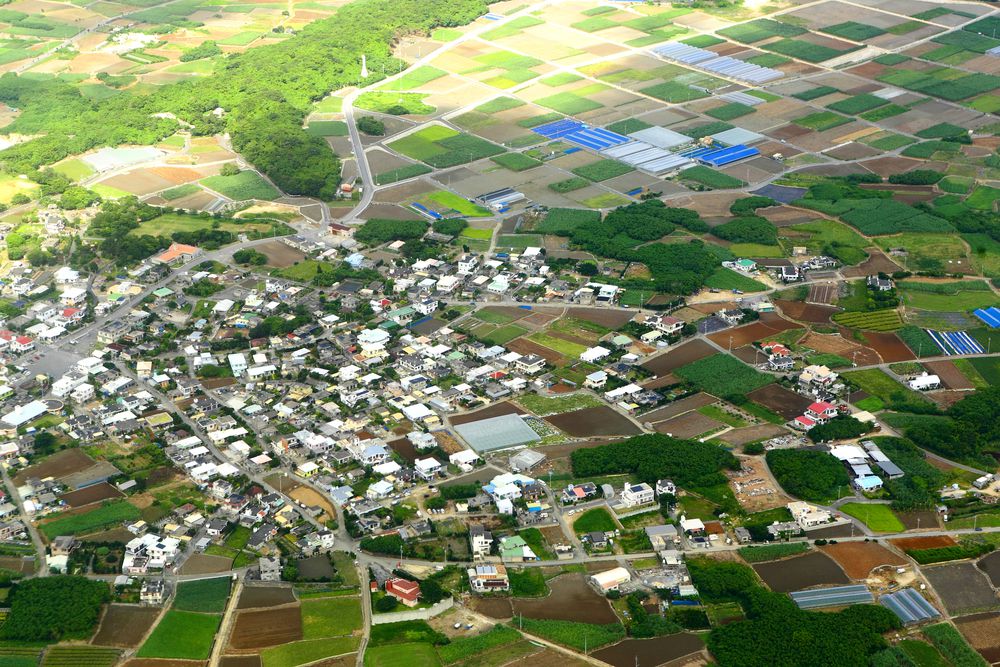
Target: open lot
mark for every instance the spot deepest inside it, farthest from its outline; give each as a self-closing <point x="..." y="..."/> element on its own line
<point x="591" y="422"/>
<point x="785" y="402"/>
<point x="571" y="599"/>
<point x="125" y="625"/>
<point x="91" y="494"/>
<point x="794" y="574"/>
<point x="688" y="425"/>
<point x="679" y="356"/>
<point x="270" y="627"/>
<point x="982" y="631"/>
<point x="58" y="465"/>
<point x="253" y="597"/>
<point x="858" y="559"/>
<point x="962" y="588"/>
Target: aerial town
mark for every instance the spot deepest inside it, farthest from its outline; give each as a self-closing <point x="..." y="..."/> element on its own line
<point x="438" y="334"/>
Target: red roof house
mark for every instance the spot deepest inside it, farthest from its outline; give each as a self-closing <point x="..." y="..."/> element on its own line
<point x="404" y="590"/>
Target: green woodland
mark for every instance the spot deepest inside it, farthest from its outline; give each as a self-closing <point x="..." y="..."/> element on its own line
<point x="265" y="92"/>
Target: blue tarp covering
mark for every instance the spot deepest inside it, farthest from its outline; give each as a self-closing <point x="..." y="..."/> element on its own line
<point x="989" y="315"/>
<point x="728" y="155"/>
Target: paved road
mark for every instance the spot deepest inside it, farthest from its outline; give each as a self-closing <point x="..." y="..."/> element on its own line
<point x="36" y="539"/>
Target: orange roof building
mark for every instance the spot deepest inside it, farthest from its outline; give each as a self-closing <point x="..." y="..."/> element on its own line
<point x="177" y="252"/>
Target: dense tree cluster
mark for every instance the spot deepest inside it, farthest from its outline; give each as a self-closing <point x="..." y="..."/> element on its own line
<point x="377" y="231"/>
<point x="777" y="632"/>
<point x="748" y="229"/>
<point x="838" y="428"/>
<point x="972" y="430"/>
<point x="917" y="177"/>
<point x="53" y="608"/>
<point x="806" y="474"/>
<point x="749" y="205"/>
<point x="371" y="126"/>
<point x="450" y="226"/>
<point x="689" y="463"/>
<point x="249" y="256"/>
<point x="266" y="93"/>
<point x="678" y="268"/>
<point x="918" y="487"/>
<point x="206" y="49"/>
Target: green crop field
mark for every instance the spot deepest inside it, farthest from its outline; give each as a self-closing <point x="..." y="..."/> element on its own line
<point x="673" y="92"/>
<point x="551" y="405"/>
<point x="918" y="341"/>
<point x="461" y="205"/>
<point x="244" y="185"/>
<point x="330" y="617"/>
<point x="400" y="655"/>
<point x="74" y="656"/>
<point x="503" y="335"/>
<point x="313" y="650"/>
<point x="759" y="30"/>
<point x="327" y="128"/>
<point x="879" y="320"/>
<point x="402" y="173"/>
<point x="772" y="551"/>
<point x="569" y="185"/>
<point x="857" y="104"/>
<point x="730" y="111"/>
<point x="877" y="517"/>
<point x="441" y="147"/>
<point x="568" y="103"/>
<point x="180" y="191"/>
<point x="500" y="104"/>
<point x="74" y="169"/>
<point x="882" y="386"/>
<point x="983" y="198"/>
<point x="710" y="178"/>
<point x="602" y="170"/>
<point x="856" y="32"/>
<point x="722" y="375"/>
<point x="563" y="221"/>
<point x="579" y="636"/>
<point x="108" y="515"/>
<point x="516" y="161"/>
<point x="207" y="595"/>
<point x="415" y="78"/>
<point x="821" y="120"/>
<point x="962" y="295"/>
<point x="182" y="635"/>
<point x="564" y="347"/>
<point x="394" y="103"/>
<point x="728" y="279"/>
<point x="814" y="93"/>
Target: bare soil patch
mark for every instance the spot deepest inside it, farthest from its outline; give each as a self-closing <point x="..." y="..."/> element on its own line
<point x="612" y="319"/>
<point x="928" y="542"/>
<point x="822" y="293"/>
<point x="836" y="344"/>
<point x="654" y="651"/>
<point x="962" y="587"/>
<point x="694" y="402"/>
<point x="741" y="436"/>
<point x="889" y="346"/>
<point x="591" y="422"/>
<point x="311" y="498"/>
<point x="949" y="374"/>
<point x="280" y="255"/>
<point x="163" y="662"/>
<point x="982" y="631"/>
<point x="877" y="262"/>
<point x="794" y="574"/>
<point x="495" y="410"/>
<point x="571" y="599"/>
<point x="858" y="559"/>
<point x="125" y="625"/>
<point x="917" y="519"/>
<point x="265" y="596"/>
<point x="688" y="425"/>
<point x="806" y="312"/>
<point x="269" y="627"/>
<point x="785" y="402"/>
<point x="58" y="465"/>
<point x="241" y="661"/>
<point x="766" y="326"/>
<point x="681" y="355"/>
<point x="990" y="564"/>
<point x="525" y="346"/>
<point x="91" y="494"/>
<point x="205" y="564"/>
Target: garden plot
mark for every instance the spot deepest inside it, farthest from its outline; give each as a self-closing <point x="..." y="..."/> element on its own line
<point x="982" y="631"/>
<point x="125" y="625"/>
<point x="783" y="401"/>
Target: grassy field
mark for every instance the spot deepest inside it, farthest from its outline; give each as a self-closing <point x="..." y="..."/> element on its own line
<point x="956" y="299"/>
<point x="877" y="517"/>
<point x="75" y="169"/>
<point x="545" y="405"/>
<point x="710" y="178"/>
<point x="845" y="243"/>
<point x="458" y="204"/>
<point x="728" y="279"/>
<point x="107" y="515"/>
<point x="206" y="595"/>
<point x="400" y="655"/>
<point x="564" y="347"/>
<point x="408" y="103"/>
<point x="182" y="635"/>
<point x="308" y="651"/>
<point x="516" y="161"/>
<point x="602" y="170"/>
<point x="596" y="519"/>
<point x="180" y="191"/>
<point x="330" y="617"/>
<point x="244" y="185"/>
<point x="879" y="384"/>
<point x="168" y="223"/>
<point x="441" y="146"/>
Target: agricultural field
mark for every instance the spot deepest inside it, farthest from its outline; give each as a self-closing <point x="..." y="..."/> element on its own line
<point x="182" y="635"/>
<point x="722" y="375"/>
<point x="877" y="517"/>
<point x="441" y="147"/>
<point x="204" y="595"/>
